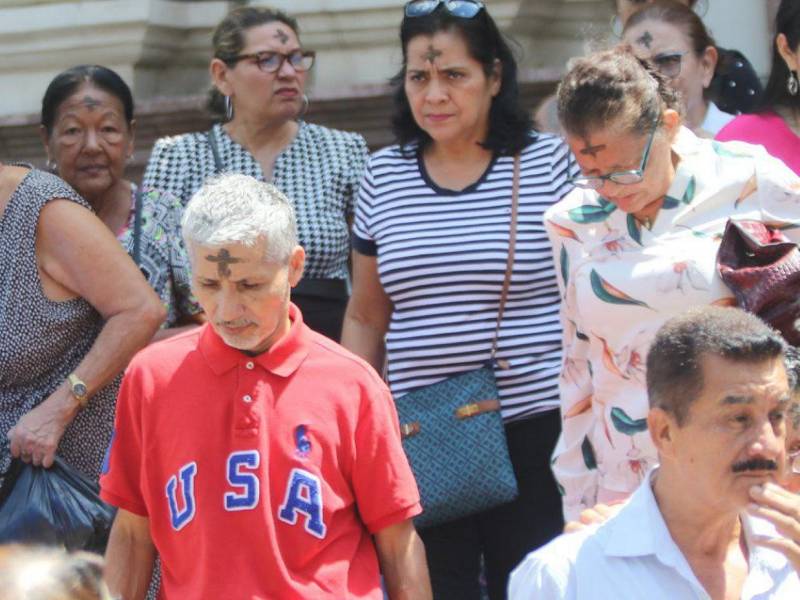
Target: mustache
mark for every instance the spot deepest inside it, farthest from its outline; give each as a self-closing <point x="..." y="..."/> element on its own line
<point x="755" y="464"/>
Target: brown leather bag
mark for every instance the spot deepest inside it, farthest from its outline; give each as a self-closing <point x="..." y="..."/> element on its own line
<point x="761" y="266"/>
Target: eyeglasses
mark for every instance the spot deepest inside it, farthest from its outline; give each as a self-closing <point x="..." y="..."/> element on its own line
<point x="465" y="9"/>
<point x="270" y="62"/>
<point x="595" y="182"/>
<point x="669" y="63"/>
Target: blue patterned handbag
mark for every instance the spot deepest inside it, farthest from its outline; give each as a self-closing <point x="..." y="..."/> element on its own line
<point x="453" y="433"/>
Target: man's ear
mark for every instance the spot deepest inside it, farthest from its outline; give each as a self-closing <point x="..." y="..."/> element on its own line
<point x="297" y="262"/>
<point x="662" y="427"/>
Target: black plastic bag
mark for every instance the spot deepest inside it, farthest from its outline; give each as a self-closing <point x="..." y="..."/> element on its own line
<point x="57" y="506"/>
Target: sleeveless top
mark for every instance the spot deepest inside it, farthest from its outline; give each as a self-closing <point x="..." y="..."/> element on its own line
<point x="43" y="341"/>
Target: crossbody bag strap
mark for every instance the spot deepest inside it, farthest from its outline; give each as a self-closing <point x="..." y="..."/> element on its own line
<point x="212" y="141"/>
<point x="512" y="243"/>
<point x="137" y="227"/>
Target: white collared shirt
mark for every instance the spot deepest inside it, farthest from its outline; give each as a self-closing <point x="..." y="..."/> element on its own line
<point x="715" y="119"/>
<point x="632" y="556"/>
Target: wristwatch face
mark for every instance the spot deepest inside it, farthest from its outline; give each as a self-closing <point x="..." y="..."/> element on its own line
<point x="79" y="389"/>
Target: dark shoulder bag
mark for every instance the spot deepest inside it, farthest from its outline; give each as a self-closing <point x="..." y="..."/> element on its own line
<point x="453" y="433"/>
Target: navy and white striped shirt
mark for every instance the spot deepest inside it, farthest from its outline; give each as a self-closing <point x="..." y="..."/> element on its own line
<point x="442" y="258"/>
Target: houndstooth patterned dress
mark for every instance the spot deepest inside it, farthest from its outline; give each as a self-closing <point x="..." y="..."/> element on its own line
<point x="42" y="341"/>
<point x="319" y="171"/>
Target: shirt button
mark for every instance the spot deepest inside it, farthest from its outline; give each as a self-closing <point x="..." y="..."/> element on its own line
<point x="247" y="398"/>
<point x="250" y="366"/>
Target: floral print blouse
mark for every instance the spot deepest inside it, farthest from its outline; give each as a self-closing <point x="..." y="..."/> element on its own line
<point x="163" y="259"/>
<point x="620" y="281"/>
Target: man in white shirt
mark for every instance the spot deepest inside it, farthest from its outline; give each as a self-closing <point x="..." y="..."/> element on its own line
<point x="710" y="522"/>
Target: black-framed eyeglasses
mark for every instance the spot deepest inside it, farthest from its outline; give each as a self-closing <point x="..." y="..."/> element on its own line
<point x="669" y="63"/>
<point x="270" y="62"/>
<point x="595" y="182"/>
<point x="465" y="9"/>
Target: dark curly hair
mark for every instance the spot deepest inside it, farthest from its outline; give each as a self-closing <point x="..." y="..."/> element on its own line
<point x="510" y="125"/>
<point x="613" y="87"/>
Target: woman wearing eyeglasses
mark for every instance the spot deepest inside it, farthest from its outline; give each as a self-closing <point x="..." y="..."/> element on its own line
<point x="259" y="72"/>
<point x="675" y="39"/>
<point x="431" y="238"/>
<point x="635" y="245"/>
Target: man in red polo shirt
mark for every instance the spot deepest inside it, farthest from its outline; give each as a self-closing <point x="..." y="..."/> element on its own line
<point x="257" y="457"/>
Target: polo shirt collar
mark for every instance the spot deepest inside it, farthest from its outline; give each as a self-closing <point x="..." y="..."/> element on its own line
<point x="282" y="359"/>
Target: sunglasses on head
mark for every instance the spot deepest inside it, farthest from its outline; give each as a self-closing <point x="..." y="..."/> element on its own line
<point x="465" y="9"/>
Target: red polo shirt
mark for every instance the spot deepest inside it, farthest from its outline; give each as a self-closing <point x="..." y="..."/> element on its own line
<point x="262" y="477"/>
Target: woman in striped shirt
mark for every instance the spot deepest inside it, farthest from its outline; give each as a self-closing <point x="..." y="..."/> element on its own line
<point x="430" y="247"/>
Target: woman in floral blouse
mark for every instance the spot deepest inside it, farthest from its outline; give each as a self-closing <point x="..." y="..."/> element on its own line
<point x="635" y="244"/>
<point x="87" y="128"/>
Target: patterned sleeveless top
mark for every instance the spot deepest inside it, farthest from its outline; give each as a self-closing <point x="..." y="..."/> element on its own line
<point x="43" y="341"/>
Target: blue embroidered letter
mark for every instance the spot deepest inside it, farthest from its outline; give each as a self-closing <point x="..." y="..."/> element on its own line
<point x="180" y="518"/>
<point x="303" y="495"/>
<point x="248" y="498"/>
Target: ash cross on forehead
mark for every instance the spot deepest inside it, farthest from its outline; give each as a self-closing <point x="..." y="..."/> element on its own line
<point x="645" y="39"/>
<point x="592" y="150"/>
<point x="432" y="54"/>
<point x="282" y="36"/>
<point x="90" y="102"/>
<point x="223" y="260"/>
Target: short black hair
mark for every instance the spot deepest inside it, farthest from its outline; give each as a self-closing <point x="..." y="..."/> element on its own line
<point x="787" y="22"/>
<point x="67" y="83"/>
<point x="674" y="362"/>
<point x="510" y="124"/>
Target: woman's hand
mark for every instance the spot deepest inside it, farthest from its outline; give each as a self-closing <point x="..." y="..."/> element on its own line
<point x="599" y="513"/>
<point x="36" y="435"/>
<point x="782" y="509"/>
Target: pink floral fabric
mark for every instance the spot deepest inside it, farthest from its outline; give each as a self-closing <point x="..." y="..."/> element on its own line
<point x="620" y="281"/>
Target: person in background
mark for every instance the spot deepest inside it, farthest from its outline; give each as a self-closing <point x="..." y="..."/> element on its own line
<point x="674" y="38"/>
<point x="39" y="573"/>
<point x="711" y="520"/>
<point x="259" y="72"/>
<point x="74" y="309"/>
<point x="635" y="245"/>
<point x="735" y="87"/>
<point x="776" y="122"/>
<point x="293" y="470"/>
<point x="87" y="128"/>
<point x="430" y="248"/>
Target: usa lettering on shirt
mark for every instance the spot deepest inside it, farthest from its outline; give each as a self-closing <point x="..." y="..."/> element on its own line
<point x="302" y="502"/>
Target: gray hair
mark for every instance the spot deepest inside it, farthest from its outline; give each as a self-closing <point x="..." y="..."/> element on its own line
<point x="238" y="209"/>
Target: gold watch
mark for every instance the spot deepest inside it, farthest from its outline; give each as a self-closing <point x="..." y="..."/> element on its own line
<point x="78" y="389"/>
